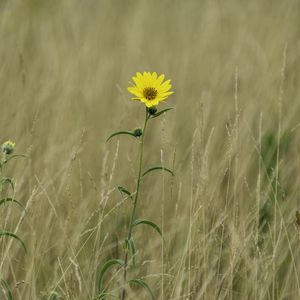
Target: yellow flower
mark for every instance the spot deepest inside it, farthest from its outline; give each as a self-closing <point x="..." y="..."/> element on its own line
<point x="8" y="147"/>
<point x="150" y="88"/>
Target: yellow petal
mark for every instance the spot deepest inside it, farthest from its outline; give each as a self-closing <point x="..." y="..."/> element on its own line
<point x="166" y="83"/>
<point x="161" y="98"/>
<point x="134" y="91"/>
<point x="159" y="80"/>
<point x="149" y="79"/>
<point x="165" y="94"/>
<point x="155" y="102"/>
<point x="138" y="82"/>
<point x="154" y="76"/>
<point x="164" y="89"/>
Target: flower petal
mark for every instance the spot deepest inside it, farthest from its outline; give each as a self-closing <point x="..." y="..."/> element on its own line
<point x="164" y="89"/>
<point x="159" y="80"/>
<point x="138" y="82"/>
<point x="154" y="76"/>
<point x="165" y="94"/>
<point x="135" y="91"/>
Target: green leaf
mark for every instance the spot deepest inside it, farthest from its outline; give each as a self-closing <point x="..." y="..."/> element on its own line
<point x="6" y="289"/>
<point x="158" y="168"/>
<point x="132" y="250"/>
<point x="147" y="222"/>
<point x="4" y="200"/>
<point x="104" y="268"/>
<point x="7" y="233"/>
<point x="12" y="157"/>
<point x="7" y="180"/>
<point x="161" y="112"/>
<point x="54" y="296"/>
<point x="103" y="295"/>
<point x="143" y="284"/>
<point x="120" y="132"/>
<point x="122" y="190"/>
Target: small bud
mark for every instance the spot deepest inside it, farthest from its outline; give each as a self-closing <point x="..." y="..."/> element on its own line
<point x="152" y="110"/>
<point x="8" y="147"/>
<point x="137" y="132"/>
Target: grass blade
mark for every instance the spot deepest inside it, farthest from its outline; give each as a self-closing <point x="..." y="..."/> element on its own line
<point x="12" y="157"/>
<point x="122" y="190"/>
<point x="54" y="296"/>
<point x="161" y="112"/>
<point x="143" y="284"/>
<point x="158" y="168"/>
<point x="147" y="222"/>
<point x="132" y="249"/>
<point x="4" y="200"/>
<point x="120" y="132"/>
<point x="6" y="289"/>
<point x="102" y="271"/>
<point x="103" y="295"/>
<point x="9" y="181"/>
<point x="10" y="234"/>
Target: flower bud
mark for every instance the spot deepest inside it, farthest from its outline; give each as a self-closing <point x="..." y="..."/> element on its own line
<point x="152" y="110"/>
<point x="8" y="147"/>
<point x="137" y="132"/>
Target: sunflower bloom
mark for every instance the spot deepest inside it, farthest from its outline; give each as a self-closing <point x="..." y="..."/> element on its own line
<point x="150" y="88"/>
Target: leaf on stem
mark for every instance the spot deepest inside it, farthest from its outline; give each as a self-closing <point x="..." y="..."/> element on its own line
<point x="7" y="180"/>
<point x="161" y="112"/>
<point x="54" y="296"/>
<point x="103" y="295"/>
<point x="6" y="289"/>
<point x="12" y="157"/>
<point x="4" y="200"/>
<point x="7" y="233"/>
<point x="132" y="249"/>
<point x="158" y="168"/>
<point x="102" y="271"/>
<point x="122" y="190"/>
<point x="143" y="284"/>
<point x="120" y="132"/>
<point x="147" y="222"/>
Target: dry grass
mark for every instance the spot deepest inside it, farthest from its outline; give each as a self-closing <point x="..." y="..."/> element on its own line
<point x="235" y="67"/>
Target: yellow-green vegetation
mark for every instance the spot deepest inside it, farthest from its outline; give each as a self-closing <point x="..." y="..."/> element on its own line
<point x="7" y="191"/>
<point x="150" y="90"/>
<point x="229" y="217"/>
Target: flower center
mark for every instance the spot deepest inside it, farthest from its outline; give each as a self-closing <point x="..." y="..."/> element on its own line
<point x="150" y="93"/>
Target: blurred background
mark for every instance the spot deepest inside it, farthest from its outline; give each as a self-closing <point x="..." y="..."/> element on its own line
<point x="228" y="216"/>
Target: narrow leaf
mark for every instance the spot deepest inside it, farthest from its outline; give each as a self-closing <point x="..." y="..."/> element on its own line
<point x="143" y="284"/>
<point x="104" y="268"/>
<point x="132" y="250"/>
<point x="147" y="222"/>
<point x="161" y="112"/>
<point x="122" y="190"/>
<point x="120" y="132"/>
<point x="12" y="157"/>
<point x="9" y="181"/>
<point x="6" y="289"/>
<point x="158" y="168"/>
<point x="7" y="233"/>
<point x="54" y="296"/>
<point x="4" y="200"/>
<point x="103" y="295"/>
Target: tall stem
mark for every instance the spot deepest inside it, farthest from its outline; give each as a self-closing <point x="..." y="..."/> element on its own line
<point x="123" y="295"/>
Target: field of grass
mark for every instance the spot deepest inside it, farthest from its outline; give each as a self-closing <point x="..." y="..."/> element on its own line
<point x="228" y="215"/>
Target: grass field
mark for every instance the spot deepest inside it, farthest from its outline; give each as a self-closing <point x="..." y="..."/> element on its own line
<point x="228" y="215"/>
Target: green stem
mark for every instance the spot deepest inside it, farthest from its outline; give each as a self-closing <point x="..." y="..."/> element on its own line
<point x="135" y="201"/>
